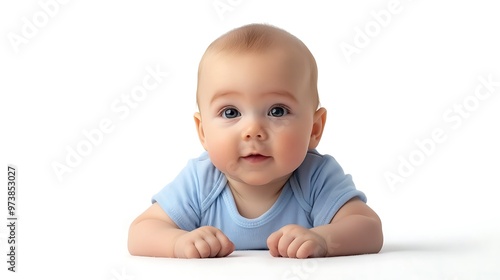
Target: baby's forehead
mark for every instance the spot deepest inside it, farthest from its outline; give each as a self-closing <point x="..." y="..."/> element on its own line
<point x="283" y="53"/>
<point x="278" y="65"/>
<point x="270" y="77"/>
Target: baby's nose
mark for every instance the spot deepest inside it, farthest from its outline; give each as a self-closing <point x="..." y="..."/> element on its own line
<point x="254" y="131"/>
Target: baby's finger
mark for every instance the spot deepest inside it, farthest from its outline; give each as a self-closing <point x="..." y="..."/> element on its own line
<point x="272" y="243"/>
<point x="226" y="245"/>
<point x="293" y="248"/>
<point x="307" y="249"/>
<point x="203" y="248"/>
<point x="190" y="252"/>
<point x="284" y="243"/>
<point x="213" y="243"/>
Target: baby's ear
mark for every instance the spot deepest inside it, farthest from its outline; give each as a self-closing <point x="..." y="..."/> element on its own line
<point x="319" y="120"/>
<point x="199" y="129"/>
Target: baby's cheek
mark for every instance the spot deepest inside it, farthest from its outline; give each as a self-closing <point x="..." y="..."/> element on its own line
<point x="222" y="158"/>
<point x="217" y="157"/>
<point x="292" y="148"/>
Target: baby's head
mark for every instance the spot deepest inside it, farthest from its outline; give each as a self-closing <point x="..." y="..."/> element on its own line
<point x="260" y="38"/>
<point x="258" y="103"/>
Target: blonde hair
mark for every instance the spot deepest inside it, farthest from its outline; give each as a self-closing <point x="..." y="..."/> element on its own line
<point x="259" y="38"/>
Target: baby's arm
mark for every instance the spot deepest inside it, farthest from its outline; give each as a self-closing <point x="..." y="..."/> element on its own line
<point x="154" y="234"/>
<point x="355" y="229"/>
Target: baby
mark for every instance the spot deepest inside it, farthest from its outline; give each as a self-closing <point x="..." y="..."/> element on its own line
<point x="261" y="184"/>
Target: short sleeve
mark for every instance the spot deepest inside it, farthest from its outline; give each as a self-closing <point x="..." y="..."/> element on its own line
<point x="324" y="187"/>
<point x="179" y="198"/>
<point x="189" y="195"/>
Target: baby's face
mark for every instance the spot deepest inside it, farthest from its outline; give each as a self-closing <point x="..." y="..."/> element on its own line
<point x="256" y="112"/>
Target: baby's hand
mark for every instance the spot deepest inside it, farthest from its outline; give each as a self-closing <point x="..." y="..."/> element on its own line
<point x="203" y="242"/>
<point x="294" y="241"/>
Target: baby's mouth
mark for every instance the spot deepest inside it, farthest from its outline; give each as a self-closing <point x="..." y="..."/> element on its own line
<point x="255" y="158"/>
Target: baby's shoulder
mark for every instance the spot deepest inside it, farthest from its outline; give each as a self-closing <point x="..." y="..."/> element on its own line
<point x="317" y="170"/>
<point x="203" y="170"/>
<point x="208" y="179"/>
<point x="315" y="162"/>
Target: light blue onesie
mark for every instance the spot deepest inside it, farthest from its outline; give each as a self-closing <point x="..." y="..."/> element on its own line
<point x="199" y="196"/>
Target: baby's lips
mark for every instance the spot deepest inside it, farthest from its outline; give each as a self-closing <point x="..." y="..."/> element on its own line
<point x="255" y="158"/>
<point x="255" y="154"/>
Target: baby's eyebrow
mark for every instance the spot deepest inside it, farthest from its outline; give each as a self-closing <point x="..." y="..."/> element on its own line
<point x="281" y="93"/>
<point x="222" y="94"/>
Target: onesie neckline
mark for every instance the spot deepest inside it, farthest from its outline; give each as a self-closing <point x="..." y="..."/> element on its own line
<point x="276" y="208"/>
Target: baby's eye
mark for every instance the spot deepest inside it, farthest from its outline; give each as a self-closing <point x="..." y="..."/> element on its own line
<point x="230" y="113"/>
<point x="278" y="111"/>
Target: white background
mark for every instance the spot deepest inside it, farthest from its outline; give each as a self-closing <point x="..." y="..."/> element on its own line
<point x="393" y="91"/>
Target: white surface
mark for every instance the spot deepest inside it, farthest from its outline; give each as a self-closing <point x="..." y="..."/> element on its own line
<point x="443" y="259"/>
<point x="440" y="223"/>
